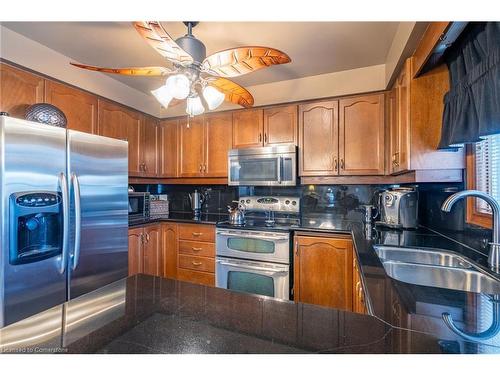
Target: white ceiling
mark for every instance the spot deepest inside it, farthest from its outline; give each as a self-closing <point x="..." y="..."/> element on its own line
<point x="314" y="47"/>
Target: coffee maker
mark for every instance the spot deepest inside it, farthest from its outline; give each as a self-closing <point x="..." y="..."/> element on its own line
<point x="398" y="208"/>
<point x="196" y="199"/>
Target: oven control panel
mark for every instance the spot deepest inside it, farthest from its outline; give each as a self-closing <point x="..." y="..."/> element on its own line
<point x="276" y="204"/>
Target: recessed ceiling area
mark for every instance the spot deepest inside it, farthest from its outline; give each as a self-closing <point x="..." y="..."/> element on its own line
<point x="314" y="47"/>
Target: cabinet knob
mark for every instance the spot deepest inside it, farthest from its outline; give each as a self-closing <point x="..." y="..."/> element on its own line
<point x="201" y="168"/>
<point x="265" y="137"/>
<point x="342" y="164"/>
<point x="204" y="168"/>
<point x="335" y="164"/>
<point x="260" y="137"/>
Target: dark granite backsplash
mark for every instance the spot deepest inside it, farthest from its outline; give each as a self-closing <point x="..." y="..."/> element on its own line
<point x="339" y="199"/>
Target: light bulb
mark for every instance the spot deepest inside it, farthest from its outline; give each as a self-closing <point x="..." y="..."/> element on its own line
<point x="213" y="97"/>
<point x="194" y="106"/>
<point x="163" y="95"/>
<point x="179" y="86"/>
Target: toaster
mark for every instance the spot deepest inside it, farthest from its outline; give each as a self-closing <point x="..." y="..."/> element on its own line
<point x="398" y="208"/>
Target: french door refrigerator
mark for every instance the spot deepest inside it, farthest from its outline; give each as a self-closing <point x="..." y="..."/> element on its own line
<point x="64" y="216"/>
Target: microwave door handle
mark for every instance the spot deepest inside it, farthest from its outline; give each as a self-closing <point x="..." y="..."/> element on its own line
<point x="254" y="268"/>
<point x="65" y="218"/>
<point x="78" y="220"/>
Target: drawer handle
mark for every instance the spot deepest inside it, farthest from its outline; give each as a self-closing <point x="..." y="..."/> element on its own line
<point x="196" y="263"/>
<point x="197" y="234"/>
<point x="197" y="248"/>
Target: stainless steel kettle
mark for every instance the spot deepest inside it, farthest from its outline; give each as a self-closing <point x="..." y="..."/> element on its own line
<point x="236" y="213"/>
<point x="196" y="199"/>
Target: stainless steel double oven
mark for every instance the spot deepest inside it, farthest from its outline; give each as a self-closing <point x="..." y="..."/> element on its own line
<point x="253" y="261"/>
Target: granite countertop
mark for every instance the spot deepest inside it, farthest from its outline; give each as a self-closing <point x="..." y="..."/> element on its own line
<point x="410" y="306"/>
<point x="146" y="314"/>
<point x="183" y="217"/>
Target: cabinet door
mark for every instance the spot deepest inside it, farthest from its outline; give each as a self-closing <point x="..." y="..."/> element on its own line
<point x="218" y="141"/>
<point x="135" y="253"/>
<point x="280" y="126"/>
<point x="392" y="113"/>
<point x="168" y="148"/>
<point x="248" y="128"/>
<point x="169" y="244"/>
<point x="402" y="151"/>
<point x="323" y="271"/>
<point x="153" y="264"/>
<point x="117" y="122"/>
<point x="150" y="148"/>
<point x="79" y="107"/>
<point x="318" y="139"/>
<point x="19" y="90"/>
<point x="191" y="147"/>
<point x="361" y="136"/>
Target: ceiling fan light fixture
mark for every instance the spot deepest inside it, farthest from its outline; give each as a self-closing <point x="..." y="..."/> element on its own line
<point x="213" y="97"/>
<point x="194" y="106"/>
<point x="178" y="86"/>
<point x="163" y="95"/>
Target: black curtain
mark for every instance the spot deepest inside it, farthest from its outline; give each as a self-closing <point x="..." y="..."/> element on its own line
<point x="472" y="106"/>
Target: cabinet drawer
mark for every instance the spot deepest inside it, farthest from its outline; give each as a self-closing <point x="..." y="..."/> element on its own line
<point x="197" y="232"/>
<point x="196" y="277"/>
<point x="197" y="263"/>
<point x="203" y="249"/>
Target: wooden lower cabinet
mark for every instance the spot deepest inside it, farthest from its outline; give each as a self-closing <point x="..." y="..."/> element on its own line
<point x="168" y="250"/>
<point x="145" y="250"/>
<point x="323" y="271"/>
<point x="196" y="253"/>
<point x="135" y="251"/>
<point x="358" y="293"/>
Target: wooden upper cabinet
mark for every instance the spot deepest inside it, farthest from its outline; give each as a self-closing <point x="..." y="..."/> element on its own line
<point x="153" y="254"/>
<point x="218" y="141"/>
<point x="361" y="135"/>
<point x="79" y="107"/>
<point x="150" y="148"/>
<point x="318" y="138"/>
<point x="135" y="251"/>
<point x="118" y="122"/>
<point x="19" y="90"/>
<point x="191" y="140"/>
<point x="399" y="121"/>
<point x="248" y="128"/>
<point x="323" y="271"/>
<point x="168" y="148"/>
<point x="280" y="126"/>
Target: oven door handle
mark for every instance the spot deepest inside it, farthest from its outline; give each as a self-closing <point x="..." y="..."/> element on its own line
<point x="258" y="236"/>
<point x="254" y="268"/>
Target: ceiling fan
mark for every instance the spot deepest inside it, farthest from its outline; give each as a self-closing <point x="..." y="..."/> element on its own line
<point x="202" y="80"/>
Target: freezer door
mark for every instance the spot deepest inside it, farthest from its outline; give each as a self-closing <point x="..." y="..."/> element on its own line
<point x="32" y="230"/>
<point x="98" y="173"/>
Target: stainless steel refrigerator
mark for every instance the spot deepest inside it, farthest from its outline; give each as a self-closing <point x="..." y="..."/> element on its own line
<point x="64" y="216"/>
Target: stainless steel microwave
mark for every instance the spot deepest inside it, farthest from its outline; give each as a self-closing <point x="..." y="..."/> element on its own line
<point x="138" y="206"/>
<point x="263" y="166"/>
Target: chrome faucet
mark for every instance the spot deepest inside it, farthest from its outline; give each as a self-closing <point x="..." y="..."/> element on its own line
<point x="494" y="255"/>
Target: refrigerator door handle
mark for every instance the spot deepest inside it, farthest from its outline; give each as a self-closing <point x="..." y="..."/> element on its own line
<point x="78" y="220"/>
<point x="65" y="216"/>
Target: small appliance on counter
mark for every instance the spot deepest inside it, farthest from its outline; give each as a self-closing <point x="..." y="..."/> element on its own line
<point x="139" y="204"/>
<point x="159" y="205"/>
<point x="196" y="199"/>
<point x="399" y="208"/>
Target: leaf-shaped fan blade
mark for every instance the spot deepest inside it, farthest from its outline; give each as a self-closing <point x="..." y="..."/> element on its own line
<point x="242" y="60"/>
<point x="234" y="92"/>
<point x="158" y="38"/>
<point x="139" y="71"/>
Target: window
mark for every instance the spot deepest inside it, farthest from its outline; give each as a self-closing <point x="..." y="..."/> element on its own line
<point x="483" y="173"/>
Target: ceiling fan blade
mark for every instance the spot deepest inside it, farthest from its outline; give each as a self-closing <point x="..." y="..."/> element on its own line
<point x="242" y="60"/>
<point x="234" y="93"/>
<point x="137" y="71"/>
<point x="158" y="38"/>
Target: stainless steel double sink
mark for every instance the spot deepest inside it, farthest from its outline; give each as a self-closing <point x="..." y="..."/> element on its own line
<point x="435" y="268"/>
